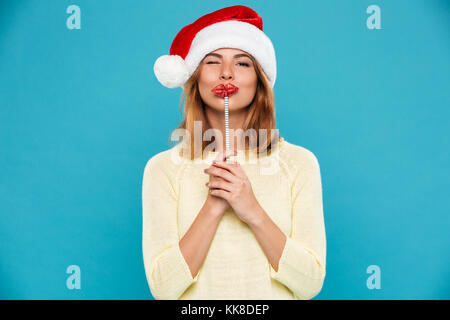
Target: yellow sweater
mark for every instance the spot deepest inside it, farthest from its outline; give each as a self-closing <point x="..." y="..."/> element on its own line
<point x="287" y="185"/>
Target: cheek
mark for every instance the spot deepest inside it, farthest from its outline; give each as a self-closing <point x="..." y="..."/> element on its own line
<point x="206" y="82"/>
<point x="202" y="87"/>
<point x="207" y="76"/>
<point x="247" y="78"/>
<point x="248" y="84"/>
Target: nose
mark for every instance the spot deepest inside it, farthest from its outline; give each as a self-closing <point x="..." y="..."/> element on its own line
<point x="226" y="72"/>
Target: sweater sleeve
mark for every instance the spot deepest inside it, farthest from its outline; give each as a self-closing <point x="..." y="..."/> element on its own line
<point x="302" y="264"/>
<point x="168" y="275"/>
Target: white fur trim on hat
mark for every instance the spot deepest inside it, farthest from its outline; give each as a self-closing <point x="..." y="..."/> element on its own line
<point x="171" y="71"/>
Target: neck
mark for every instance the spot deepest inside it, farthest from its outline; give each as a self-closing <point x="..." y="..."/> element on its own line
<point x="216" y="119"/>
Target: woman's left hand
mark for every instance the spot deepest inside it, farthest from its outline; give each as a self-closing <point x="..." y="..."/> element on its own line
<point x="235" y="188"/>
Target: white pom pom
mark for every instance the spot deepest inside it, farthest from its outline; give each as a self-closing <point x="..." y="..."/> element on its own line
<point x="171" y="71"/>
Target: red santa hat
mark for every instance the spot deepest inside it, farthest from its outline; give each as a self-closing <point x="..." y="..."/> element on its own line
<point x="236" y="27"/>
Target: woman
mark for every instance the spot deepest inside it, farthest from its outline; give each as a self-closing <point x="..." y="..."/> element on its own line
<point x="230" y="230"/>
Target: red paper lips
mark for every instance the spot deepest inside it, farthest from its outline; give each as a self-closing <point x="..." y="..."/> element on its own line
<point x="225" y="90"/>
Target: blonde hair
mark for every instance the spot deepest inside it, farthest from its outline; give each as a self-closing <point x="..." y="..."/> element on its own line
<point x="261" y="113"/>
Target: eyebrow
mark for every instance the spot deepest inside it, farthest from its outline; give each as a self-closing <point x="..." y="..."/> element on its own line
<point x="235" y="56"/>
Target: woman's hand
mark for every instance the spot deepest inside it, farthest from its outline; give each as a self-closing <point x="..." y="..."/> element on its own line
<point x="215" y="204"/>
<point x="235" y="188"/>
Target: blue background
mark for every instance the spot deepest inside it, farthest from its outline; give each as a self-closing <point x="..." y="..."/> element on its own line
<point x="81" y="112"/>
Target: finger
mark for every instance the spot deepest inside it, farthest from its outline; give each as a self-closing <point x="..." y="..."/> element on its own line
<point x="220" y="193"/>
<point x="234" y="168"/>
<point x="216" y="178"/>
<point x="220" y="185"/>
<point x="222" y="173"/>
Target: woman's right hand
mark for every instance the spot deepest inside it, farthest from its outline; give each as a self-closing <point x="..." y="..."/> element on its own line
<point x="217" y="205"/>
